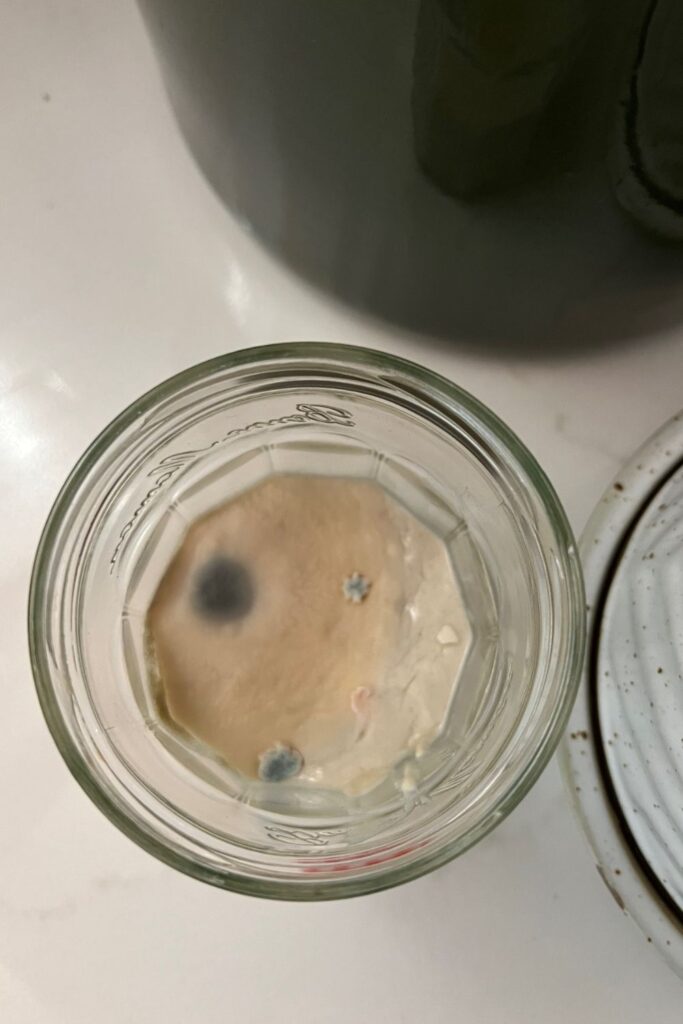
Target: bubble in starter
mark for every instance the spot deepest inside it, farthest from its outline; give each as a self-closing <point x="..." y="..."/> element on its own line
<point x="447" y="635"/>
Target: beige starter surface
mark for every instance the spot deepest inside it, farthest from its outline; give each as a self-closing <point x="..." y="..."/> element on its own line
<point x="312" y="614"/>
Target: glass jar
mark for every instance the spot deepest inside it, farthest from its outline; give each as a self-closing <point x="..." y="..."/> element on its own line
<point x="209" y="433"/>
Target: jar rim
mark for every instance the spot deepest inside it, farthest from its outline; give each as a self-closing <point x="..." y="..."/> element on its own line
<point x="444" y="395"/>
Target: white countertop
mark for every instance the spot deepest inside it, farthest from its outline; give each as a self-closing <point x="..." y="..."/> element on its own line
<point x="118" y="267"/>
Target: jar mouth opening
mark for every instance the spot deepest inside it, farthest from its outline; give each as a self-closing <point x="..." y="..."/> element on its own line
<point x="450" y="425"/>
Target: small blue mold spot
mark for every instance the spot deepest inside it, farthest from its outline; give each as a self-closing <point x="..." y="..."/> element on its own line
<point x="356" y="588"/>
<point x="279" y="763"/>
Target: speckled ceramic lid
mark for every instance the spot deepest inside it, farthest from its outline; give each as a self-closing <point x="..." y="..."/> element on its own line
<point x="624" y="750"/>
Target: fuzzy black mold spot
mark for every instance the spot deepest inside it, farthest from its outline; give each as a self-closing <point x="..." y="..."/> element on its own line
<point x="223" y="590"/>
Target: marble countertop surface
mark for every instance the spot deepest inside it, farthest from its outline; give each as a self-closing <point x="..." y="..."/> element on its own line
<point x="118" y="267"/>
